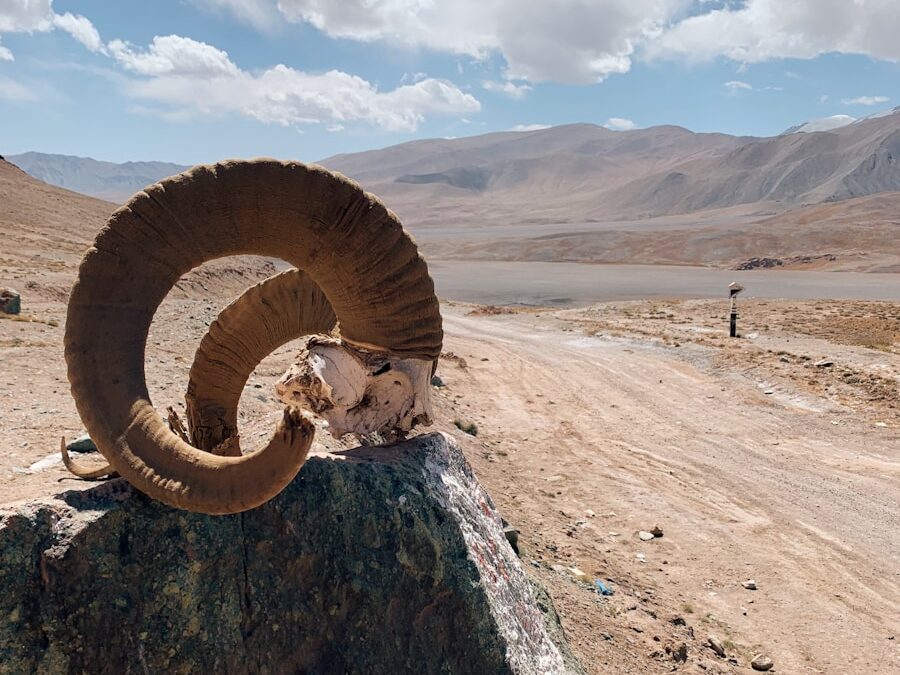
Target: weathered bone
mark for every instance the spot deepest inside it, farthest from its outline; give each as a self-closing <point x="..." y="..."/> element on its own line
<point x="358" y="391"/>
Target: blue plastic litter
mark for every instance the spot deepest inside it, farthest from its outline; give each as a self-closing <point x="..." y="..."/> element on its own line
<point x="602" y="588"/>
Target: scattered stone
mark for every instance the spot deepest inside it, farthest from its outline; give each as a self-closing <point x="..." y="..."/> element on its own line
<point x="656" y="531"/>
<point x="680" y="653"/>
<point x="750" y="585"/>
<point x="579" y="575"/>
<point x="10" y="301"/>
<point x="606" y="636"/>
<point x="824" y="363"/>
<point x="82" y="444"/>
<point x="756" y="263"/>
<point x="762" y="662"/>
<point x="645" y="536"/>
<point x="678" y="621"/>
<point x="716" y="646"/>
<point x="437" y="381"/>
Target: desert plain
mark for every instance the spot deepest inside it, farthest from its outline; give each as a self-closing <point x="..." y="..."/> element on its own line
<point x="595" y="403"/>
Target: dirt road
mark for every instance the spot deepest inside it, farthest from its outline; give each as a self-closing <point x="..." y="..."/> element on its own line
<point x="586" y="440"/>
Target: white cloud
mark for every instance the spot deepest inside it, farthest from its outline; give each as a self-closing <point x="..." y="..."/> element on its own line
<point x="760" y="30"/>
<point x="190" y="78"/>
<point x="260" y="14"/>
<point x="823" y="98"/>
<point x="569" y="41"/>
<point x="530" y="127"/>
<point x="11" y="90"/>
<point x="29" y="16"/>
<point x="25" y="16"/>
<point x="81" y="29"/>
<point x="619" y="124"/>
<point x="514" y="91"/>
<point x="865" y="100"/>
<point x="173" y="55"/>
<point x="737" y="85"/>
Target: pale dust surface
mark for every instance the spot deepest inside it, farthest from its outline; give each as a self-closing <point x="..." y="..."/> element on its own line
<point x="802" y="498"/>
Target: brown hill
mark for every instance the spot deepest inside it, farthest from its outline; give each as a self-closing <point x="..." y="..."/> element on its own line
<point x="47" y="229"/>
<point x="585" y="173"/>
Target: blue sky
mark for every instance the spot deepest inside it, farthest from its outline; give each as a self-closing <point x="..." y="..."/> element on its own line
<point x="199" y="80"/>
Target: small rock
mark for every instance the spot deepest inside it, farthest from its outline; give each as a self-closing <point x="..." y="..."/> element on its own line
<point x="716" y="646"/>
<point x="678" y="621"/>
<point x="606" y="636"/>
<point x="824" y="363"/>
<point x="645" y="536"/>
<point x="81" y="444"/>
<point x="680" y="653"/>
<point x="750" y="585"/>
<point x="578" y="574"/>
<point x="10" y="301"/>
<point x="762" y="662"/>
<point x="437" y="381"/>
<point x="656" y="531"/>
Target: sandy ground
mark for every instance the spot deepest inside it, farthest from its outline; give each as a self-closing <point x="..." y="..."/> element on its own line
<point x="593" y="424"/>
<point x="751" y="470"/>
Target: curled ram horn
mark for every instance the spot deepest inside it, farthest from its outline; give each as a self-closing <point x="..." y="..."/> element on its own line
<point x="345" y="240"/>
<point x="288" y="305"/>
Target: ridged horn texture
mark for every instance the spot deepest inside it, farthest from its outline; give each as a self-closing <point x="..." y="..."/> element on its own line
<point x="349" y="244"/>
<point x="262" y="319"/>
<point x="265" y="317"/>
<point x="78" y="469"/>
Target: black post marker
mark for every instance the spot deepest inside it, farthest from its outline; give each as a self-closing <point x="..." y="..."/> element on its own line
<point x="733" y="289"/>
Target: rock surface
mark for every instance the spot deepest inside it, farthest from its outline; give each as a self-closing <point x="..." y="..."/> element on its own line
<point x="10" y="301"/>
<point x="762" y="662"/>
<point x="375" y="560"/>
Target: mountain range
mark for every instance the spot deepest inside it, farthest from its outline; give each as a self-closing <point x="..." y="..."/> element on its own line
<point x="104" y="180"/>
<point x="583" y="192"/>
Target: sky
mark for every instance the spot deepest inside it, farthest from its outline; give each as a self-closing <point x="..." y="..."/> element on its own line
<point x="192" y="81"/>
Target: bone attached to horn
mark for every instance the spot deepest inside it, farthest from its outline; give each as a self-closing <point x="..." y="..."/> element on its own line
<point x="265" y="317"/>
<point x="357" y="391"/>
<point x="353" y="249"/>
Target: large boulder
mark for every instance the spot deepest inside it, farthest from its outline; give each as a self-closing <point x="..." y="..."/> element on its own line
<point x="10" y="301"/>
<point x="374" y="560"/>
